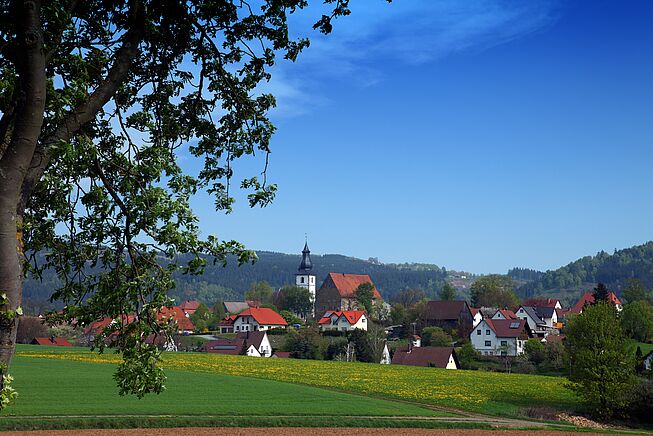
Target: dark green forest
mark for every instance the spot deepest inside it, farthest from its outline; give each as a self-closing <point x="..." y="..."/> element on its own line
<point x="220" y="283"/>
<point x="612" y="269"/>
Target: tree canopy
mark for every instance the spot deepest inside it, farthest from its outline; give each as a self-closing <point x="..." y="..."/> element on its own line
<point x="601" y="361"/>
<point x="99" y="100"/>
<point x="494" y="291"/>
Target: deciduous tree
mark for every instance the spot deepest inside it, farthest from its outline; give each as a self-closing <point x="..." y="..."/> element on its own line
<point x="601" y="362"/>
<point x="99" y="99"/>
<point x="494" y="291"/>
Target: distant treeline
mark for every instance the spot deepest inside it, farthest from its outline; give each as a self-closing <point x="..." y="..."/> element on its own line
<point x="525" y="274"/>
<point x="231" y="282"/>
<point x="612" y="269"/>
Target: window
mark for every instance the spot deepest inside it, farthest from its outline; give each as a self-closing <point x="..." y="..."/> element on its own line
<point x="478" y="332"/>
<point x="302" y="280"/>
<point x="312" y="279"/>
<point x="488" y="343"/>
<point x="504" y="343"/>
<point x="487" y="332"/>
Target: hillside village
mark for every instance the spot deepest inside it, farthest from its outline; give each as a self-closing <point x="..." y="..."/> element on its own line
<point x="346" y="318"/>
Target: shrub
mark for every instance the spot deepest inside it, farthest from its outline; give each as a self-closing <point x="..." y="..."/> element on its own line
<point x="641" y="399"/>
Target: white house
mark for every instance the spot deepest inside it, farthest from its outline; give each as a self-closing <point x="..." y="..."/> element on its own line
<point x="343" y="321"/>
<point x="532" y="317"/>
<point x="249" y="343"/>
<point x="478" y="316"/>
<point x="500" y="337"/>
<point x="255" y="319"/>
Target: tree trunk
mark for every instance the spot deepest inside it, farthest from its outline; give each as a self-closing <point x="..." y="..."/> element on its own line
<point x="14" y="163"/>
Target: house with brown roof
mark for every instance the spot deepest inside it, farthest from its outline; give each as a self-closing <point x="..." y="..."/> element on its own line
<point x="52" y="341"/>
<point x="450" y="315"/>
<point x="338" y="292"/>
<point x="258" y="318"/>
<point x="344" y="321"/>
<point x="500" y="337"/>
<point x="249" y="343"/>
<point x="436" y="357"/>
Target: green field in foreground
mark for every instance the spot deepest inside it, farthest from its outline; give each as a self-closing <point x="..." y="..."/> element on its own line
<point x="55" y="387"/>
<point x="492" y="393"/>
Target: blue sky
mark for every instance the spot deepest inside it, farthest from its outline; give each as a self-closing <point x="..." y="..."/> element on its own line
<point x="477" y="135"/>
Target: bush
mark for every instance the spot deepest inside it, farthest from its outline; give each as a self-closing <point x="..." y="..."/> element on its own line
<point x="435" y="337"/>
<point x="641" y="399"/>
<point x="334" y="333"/>
<point x="304" y="344"/>
<point x="467" y="356"/>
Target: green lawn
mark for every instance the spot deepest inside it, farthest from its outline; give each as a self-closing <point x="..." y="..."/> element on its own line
<point x="486" y="392"/>
<point x="60" y="387"/>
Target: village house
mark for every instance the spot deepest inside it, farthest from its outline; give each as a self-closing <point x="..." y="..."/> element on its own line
<point x="235" y="307"/>
<point x="500" y="337"/>
<point x="189" y="307"/>
<point x="535" y="323"/>
<point x="437" y="357"/>
<point x="338" y="292"/>
<point x="258" y="319"/>
<point x="227" y="324"/>
<point x="248" y="343"/>
<point x="543" y="302"/>
<point x="176" y="316"/>
<point x="449" y="315"/>
<point x="477" y="316"/>
<point x="588" y="299"/>
<point x="343" y="321"/>
<point x="52" y="341"/>
<point x="504" y="314"/>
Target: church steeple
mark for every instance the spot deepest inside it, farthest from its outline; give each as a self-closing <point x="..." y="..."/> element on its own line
<point x="305" y="277"/>
<point x="306" y="264"/>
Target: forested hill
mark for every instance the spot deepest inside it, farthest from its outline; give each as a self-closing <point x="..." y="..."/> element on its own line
<point x="231" y="282"/>
<point x="612" y="269"/>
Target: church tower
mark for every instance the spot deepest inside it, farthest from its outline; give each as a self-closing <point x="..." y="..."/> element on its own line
<point x="304" y="278"/>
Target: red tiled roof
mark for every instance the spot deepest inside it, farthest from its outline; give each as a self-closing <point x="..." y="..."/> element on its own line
<point x="502" y="328"/>
<point x="352" y="316"/>
<point x="347" y="284"/>
<point x="264" y="316"/>
<point x="189" y="306"/>
<point x="59" y="342"/>
<point x="588" y="298"/>
<point x="176" y="314"/>
<point x="508" y="314"/>
<point x="99" y="325"/>
<point x="474" y="311"/>
<point x="424" y="356"/>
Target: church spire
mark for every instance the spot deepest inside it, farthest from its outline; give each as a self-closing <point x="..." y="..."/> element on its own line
<point x="306" y="264"/>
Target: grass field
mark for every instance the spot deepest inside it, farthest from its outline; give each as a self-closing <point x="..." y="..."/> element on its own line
<point x="492" y="393"/>
<point x="68" y="388"/>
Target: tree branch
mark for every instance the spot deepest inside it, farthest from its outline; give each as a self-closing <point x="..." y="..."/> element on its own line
<point x="87" y="111"/>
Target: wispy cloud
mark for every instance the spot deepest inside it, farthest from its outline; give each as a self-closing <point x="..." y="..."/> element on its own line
<point x="405" y="31"/>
